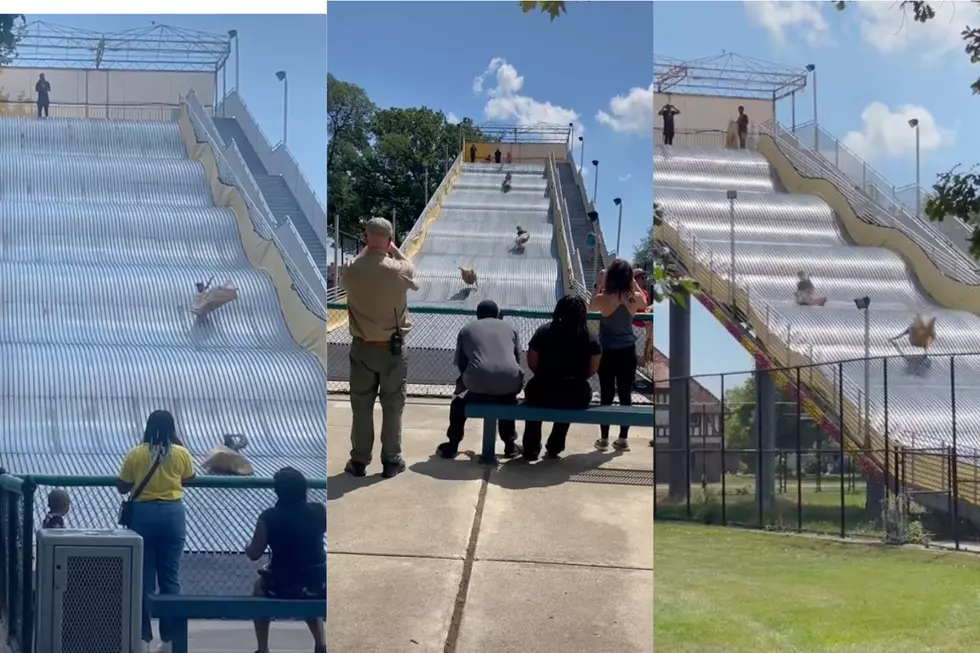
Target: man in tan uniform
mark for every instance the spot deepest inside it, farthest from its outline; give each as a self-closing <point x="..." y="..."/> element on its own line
<point x="377" y="284"/>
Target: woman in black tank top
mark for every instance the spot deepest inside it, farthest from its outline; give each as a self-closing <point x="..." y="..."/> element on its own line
<point x="293" y="530"/>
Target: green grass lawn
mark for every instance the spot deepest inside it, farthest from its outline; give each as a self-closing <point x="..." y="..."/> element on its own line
<point x="821" y="506"/>
<point x="720" y="590"/>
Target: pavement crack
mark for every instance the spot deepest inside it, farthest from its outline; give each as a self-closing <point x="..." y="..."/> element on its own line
<point x="452" y="637"/>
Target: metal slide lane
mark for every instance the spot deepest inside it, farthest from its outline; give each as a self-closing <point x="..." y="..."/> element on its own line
<point x="476" y="228"/>
<point x="104" y="228"/>
<point x="776" y="235"/>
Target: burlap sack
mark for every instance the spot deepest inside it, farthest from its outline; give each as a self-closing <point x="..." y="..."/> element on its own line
<point x="214" y="298"/>
<point x="731" y="136"/>
<point x="223" y="460"/>
<point x="468" y="275"/>
<point x="922" y="333"/>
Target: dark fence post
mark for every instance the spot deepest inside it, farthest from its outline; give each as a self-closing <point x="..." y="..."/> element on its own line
<point x="799" y="457"/>
<point x="724" y="457"/>
<point x="886" y="467"/>
<point x="840" y="411"/>
<point x="13" y="581"/>
<point x="759" y="494"/>
<point x="653" y="442"/>
<point x="954" y="463"/>
<point x="704" y="447"/>
<point x="687" y="445"/>
<point x="27" y="553"/>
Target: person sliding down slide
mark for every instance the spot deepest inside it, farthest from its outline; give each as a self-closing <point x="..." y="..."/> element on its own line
<point x="806" y="293"/>
<point x="505" y="187"/>
<point x="920" y="333"/>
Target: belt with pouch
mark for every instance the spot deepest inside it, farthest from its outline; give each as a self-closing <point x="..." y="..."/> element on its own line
<point x="374" y="344"/>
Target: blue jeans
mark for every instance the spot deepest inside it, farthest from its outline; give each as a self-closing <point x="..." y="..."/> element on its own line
<point x="162" y="525"/>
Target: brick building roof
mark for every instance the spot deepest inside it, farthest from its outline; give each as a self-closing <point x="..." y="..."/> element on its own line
<point x="700" y="396"/>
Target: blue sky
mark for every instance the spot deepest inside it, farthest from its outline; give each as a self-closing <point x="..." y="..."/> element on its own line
<point x="874" y="72"/>
<point x="296" y="44"/>
<point x="429" y="53"/>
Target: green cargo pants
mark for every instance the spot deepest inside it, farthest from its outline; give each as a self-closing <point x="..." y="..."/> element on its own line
<point x="376" y="373"/>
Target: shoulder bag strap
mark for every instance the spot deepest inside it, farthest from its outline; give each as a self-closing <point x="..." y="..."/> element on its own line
<point x="146" y="479"/>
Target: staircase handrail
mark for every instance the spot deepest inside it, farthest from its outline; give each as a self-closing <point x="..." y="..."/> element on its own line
<point x="263" y="224"/>
<point x="436" y="197"/>
<point x="574" y="260"/>
<point x="822" y="134"/>
<point x="947" y="258"/>
<point x="558" y="225"/>
<point x="589" y="206"/>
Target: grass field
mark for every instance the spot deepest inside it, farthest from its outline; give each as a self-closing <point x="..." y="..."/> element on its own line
<point x="720" y="590"/>
<point x="821" y="506"/>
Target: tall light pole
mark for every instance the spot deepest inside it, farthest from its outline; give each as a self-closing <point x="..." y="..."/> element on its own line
<point x="233" y="34"/>
<point x="581" y="152"/>
<point x="914" y="124"/>
<point x="619" y="225"/>
<point x="595" y="186"/>
<point x="732" y="195"/>
<point x="571" y="135"/>
<point x="816" y="124"/>
<point x="281" y="76"/>
<point x="864" y="304"/>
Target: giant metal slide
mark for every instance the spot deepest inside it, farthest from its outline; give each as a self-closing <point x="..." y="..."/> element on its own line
<point x="104" y="228"/>
<point x="848" y="254"/>
<point x="475" y="228"/>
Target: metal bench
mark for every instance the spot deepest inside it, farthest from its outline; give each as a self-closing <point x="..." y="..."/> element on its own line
<point x="598" y="415"/>
<point x="181" y="609"/>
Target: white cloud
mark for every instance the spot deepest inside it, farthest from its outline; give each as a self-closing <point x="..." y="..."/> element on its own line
<point x="889" y="29"/>
<point x="624" y="178"/>
<point x="886" y="133"/>
<point x="631" y="113"/>
<point x="452" y="118"/>
<point x="506" y="103"/>
<point x="803" y="17"/>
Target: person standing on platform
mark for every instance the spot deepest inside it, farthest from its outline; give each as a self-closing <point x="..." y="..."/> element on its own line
<point x="377" y="282"/>
<point x="43" y="90"/>
<point x="743" y="127"/>
<point x="667" y="113"/>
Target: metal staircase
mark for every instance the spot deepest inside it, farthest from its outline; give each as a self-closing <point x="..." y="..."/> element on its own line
<point x="277" y="195"/>
<point x="579" y="219"/>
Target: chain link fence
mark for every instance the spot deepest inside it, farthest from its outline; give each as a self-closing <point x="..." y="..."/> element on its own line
<point x="431" y="345"/>
<point x="221" y="514"/>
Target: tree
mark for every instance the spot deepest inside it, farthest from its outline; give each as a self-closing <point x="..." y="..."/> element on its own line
<point x="954" y="193"/>
<point x="11" y="32"/>
<point x="553" y="9"/>
<point x="385" y="161"/>
<point x="667" y="282"/>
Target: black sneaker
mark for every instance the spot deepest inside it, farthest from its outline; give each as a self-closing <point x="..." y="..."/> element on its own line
<point x="512" y="450"/>
<point x="319" y="649"/>
<point x="530" y="456"/>
<point x="447" y="450"/>
<point x="390" y="470"/>
<point x="355" y="468"/>
<point x="548" y="455"/>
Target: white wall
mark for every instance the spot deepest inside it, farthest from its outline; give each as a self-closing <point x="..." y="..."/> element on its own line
<point x="108" y="87"/>
<point x="709" y="114"/>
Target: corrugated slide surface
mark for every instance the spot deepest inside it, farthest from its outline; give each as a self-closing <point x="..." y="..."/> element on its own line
<point x="104" y="228"/>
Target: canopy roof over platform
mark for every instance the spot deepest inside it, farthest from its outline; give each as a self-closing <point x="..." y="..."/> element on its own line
<point x="537" y="133"/>
<point x="727" y="75"/>
<point x="152" y="48"/>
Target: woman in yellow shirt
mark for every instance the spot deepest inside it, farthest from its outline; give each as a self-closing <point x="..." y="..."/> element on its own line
<point x="158" y="510"/>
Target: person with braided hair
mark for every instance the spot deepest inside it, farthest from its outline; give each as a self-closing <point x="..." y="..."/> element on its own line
<point x="153" y="474"/>
<point x="563" y="355"/>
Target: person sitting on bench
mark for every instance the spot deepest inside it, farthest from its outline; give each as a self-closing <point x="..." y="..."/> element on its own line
<point x="294" y="530"/>
<point x="563" y="356"/>
<point x="488" y="356"/>
<point x="805" y="292"/>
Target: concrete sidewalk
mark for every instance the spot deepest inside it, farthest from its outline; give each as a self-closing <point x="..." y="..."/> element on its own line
<point x="554" y="556"/>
